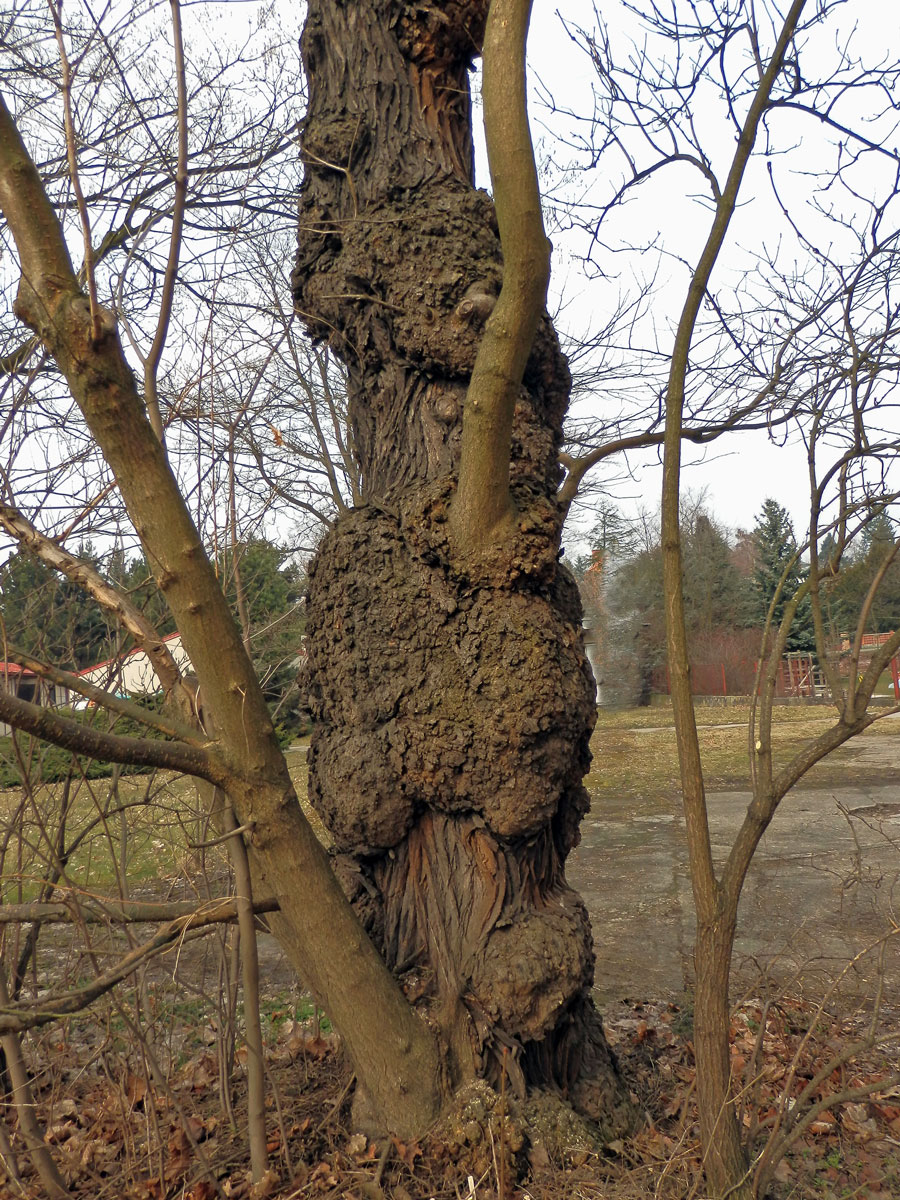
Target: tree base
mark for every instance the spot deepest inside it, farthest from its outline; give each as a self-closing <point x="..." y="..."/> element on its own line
<point x="486" y="1133"/>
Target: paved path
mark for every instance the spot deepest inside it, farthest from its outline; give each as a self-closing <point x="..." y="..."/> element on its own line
<point x="824" y="884"/>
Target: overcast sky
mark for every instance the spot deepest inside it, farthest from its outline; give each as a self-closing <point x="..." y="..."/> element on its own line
<point x="738" y="472"/>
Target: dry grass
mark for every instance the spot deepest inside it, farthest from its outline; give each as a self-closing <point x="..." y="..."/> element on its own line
<point x="660" y="715"/>
<point x="635" y="752"/>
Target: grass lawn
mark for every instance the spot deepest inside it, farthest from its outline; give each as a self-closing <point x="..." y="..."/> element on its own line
<point x="96" y="1091"/>
<point x="635" y="752"/>
<point x="152" y="819"/>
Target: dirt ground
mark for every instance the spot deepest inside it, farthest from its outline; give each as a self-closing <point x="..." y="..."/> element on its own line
<point x="815" y="947"/>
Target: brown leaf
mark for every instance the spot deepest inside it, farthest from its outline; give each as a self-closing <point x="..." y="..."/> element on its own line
<point x="370" y="1190"/>
<point x="177" y="1164"/>
<point x="407" y="1152"/>
<point x="538" y="1156"/>
<point x="197" y="1128"/>
<point x="61" y="1132"/>
<point x="265" y="1187"/>
<point x="825" y="1122"/>
<point x="135" y="1089"/>
<point x="315" y="1046"/>
<point x="357" y="1144"/>
<point x="784" y="1173"/>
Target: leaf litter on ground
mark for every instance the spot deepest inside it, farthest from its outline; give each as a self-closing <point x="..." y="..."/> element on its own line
<point x="116" y="1134"/>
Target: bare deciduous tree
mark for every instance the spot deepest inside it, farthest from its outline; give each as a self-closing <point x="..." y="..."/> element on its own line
<point x="810" y="352"/>
<point x="512" y="816"/>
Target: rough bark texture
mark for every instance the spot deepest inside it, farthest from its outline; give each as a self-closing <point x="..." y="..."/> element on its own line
<point x="453" y="699"/>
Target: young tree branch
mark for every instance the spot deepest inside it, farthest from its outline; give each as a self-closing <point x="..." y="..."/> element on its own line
<point x="164" y="722"/>
<point x="94" y="911"/>
<point x="107" y="596"/>
<point x="705" y="885"/>
<point x="154" y="354"/>
<point x="482" y="502"/>
<point x="327" y="944"/>
<point x="17" y="1016"/>
<point x="72" y="155"/>
<point x="84" y="739"/>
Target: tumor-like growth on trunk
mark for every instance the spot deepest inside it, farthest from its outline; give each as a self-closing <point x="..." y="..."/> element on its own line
<point x="453" y="700"/>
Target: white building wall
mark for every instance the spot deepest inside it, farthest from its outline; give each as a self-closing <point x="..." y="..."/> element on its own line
<point x="133" y="673"/>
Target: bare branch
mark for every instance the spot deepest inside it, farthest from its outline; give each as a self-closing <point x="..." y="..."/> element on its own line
<point x="154" y="354"/>
<point x="109" y="597"/>
<point x="31" y="1014"/>
<point x="482" y="502"/>
<point x="101" y="911"/>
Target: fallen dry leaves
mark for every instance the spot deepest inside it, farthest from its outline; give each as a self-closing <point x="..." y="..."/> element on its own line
<point x="117" y="1135"/>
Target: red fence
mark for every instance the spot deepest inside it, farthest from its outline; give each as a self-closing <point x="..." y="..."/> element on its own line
<point x="713" y="678"/>
<point x="797" y="676"/>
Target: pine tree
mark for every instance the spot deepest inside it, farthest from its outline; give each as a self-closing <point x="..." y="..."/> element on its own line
<point x="47" y="615"/>
<point x="859" y="569"/>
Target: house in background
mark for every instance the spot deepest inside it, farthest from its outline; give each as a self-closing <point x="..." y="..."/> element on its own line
<point x="21" y="682"/>
<point x="131" y="673"/>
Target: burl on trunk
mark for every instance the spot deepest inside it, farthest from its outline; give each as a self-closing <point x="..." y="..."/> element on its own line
<point x="453" y="700"/>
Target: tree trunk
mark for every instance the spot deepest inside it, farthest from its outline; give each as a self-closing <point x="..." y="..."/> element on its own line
<point x="725" y="1160"/>
<point x="453" y="698"/>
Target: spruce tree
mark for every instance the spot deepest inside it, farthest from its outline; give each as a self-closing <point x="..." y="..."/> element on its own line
<point x="780" y="571"/>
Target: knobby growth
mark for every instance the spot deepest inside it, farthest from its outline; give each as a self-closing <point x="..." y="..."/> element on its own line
<point x="453" y="700"/>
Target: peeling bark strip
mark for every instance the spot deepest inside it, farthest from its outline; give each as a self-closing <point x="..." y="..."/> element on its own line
<point x="453" y="698"/>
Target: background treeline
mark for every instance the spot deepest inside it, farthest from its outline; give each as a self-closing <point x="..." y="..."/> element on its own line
<point x="730" y="582"/>
<point x="46" y="615"/>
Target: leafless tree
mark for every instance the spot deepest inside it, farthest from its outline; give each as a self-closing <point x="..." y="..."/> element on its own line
<point x="140" y="428"/>
<point x="807" y="346"/>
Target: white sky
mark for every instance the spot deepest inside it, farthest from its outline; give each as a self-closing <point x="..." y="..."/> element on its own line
<point x="739" y="472"/>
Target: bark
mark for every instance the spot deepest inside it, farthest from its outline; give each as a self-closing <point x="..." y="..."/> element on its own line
<point x="453" y="698"/>
<point x="725" y="1160"/>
